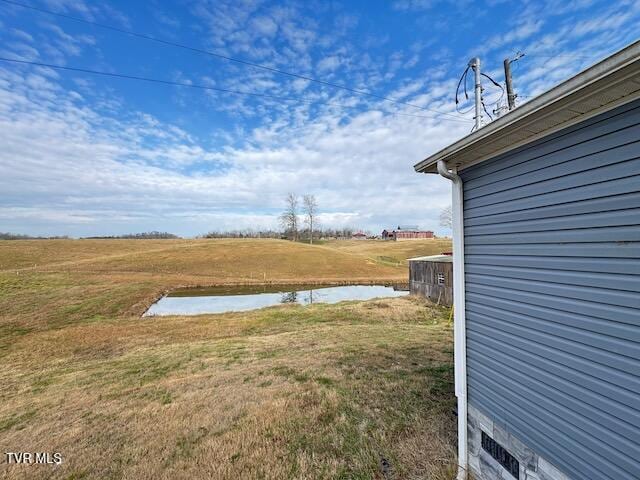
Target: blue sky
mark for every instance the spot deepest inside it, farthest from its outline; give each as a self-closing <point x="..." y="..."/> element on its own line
<point x="90" y="155"/>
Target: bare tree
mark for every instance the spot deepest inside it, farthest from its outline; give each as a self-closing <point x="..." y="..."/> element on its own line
<point x="310" y="207"/>
<point x="289" y="218"/>
<point x="446" y="217"/>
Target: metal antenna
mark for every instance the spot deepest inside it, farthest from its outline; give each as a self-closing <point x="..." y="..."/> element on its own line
<point x="474" y="63"/>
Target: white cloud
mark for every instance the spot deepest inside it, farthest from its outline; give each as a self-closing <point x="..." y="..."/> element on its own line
<point x="265" y="26"/>
<point x="328" y="64"/>
<point x="412" y="5"/>
<point x="574" y="45"/>
<point x="525" y="29"/>
<point x="89" y="173"/>
<point x="89" y="10"/>
<point x="22" y="35"/>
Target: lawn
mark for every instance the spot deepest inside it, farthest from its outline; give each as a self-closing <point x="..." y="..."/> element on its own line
<point x="391" y="252"/>
<point x="354" y="390"/>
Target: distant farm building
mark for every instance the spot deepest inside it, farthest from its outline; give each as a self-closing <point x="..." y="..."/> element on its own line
<point x="406" y="233"/>
<point x="359" y="236"/>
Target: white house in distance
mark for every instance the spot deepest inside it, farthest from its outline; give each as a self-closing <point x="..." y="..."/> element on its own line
<point x="546" y="226"/>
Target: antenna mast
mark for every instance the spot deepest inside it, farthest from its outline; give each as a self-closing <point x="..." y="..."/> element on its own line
<point x="511" y="95"/>
<point x="474" y="63"/>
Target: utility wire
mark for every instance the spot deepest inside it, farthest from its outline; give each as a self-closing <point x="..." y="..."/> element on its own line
<point x="203" y="87"/>
<point x="221" y="56"/>
<point x="463" y="77"/>
<point x="519" y="54"/>
<point x="484" y="107"/>
<point x="492" y="81"/>
<point x="497" y="85"/>
<point x="567" y="55"/>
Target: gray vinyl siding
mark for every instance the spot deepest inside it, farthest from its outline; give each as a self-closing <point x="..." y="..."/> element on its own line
<point x="552" y="272"/>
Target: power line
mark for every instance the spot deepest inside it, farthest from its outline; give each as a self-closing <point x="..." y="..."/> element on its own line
<point x="204" y="87"/>
<point x="519" y="54"/>
<point x="221" y="56"/>
<point x="559" y="55"/>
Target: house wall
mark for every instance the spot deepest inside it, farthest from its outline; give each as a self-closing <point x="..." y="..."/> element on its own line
<point x="552" y="272"/>
<point x="423" y="280"/>
<point x="400" y="235"/>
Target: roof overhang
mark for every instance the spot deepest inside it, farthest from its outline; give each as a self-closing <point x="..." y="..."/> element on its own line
<point x="607" y="84"/>
<point x="433" y="258"/>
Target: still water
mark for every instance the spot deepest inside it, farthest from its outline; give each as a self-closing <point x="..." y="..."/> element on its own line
<point x="237" y="299"/>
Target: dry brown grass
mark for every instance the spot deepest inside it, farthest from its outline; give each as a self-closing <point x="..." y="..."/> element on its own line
<point x="354" y="390"/>
<point x="391" y="252"/>
<point x="36" y="253"/>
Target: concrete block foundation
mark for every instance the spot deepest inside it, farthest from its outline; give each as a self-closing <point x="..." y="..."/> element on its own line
<point x="483" y="466"/>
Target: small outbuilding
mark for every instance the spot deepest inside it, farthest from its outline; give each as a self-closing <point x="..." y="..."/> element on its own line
<point x="432" y="277"/>
<point x="546" y="244"/>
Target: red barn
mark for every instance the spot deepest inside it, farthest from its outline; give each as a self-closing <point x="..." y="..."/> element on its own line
<point x="406" y="233"/>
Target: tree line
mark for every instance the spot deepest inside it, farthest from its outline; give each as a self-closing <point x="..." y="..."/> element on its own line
<point x="19" y="236"/>
<point x="154" y="235"/>
<point x="298" y="221"/>
<point x="141" y="236"/>
<point x="318" y="232"/>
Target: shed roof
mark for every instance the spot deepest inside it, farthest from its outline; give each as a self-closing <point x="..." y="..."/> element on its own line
<point x="601" y="87"/>
<point x="433" y="258"/>
<point x="406" y="228"/>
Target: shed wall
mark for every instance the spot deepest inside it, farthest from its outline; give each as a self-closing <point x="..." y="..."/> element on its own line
<point x="423" y="280"/>
<point x="552" y="272"/>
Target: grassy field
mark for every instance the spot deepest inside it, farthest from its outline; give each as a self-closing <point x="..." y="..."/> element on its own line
<point x="354" y="390"/>
<point x="392" y="253"/>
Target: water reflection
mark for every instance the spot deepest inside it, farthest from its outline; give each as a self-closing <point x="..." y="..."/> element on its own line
<point x="234" y="299"/>
<point x="289" y="297"/>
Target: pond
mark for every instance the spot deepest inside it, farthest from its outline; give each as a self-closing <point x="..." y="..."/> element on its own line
<point x="199" y="301"/>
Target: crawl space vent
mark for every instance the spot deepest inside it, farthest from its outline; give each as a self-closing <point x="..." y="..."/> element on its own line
<point x="499" y="453"/>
